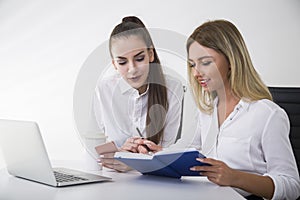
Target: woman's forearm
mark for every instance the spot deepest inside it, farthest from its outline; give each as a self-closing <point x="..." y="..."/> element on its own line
<point x="255" y="184"/>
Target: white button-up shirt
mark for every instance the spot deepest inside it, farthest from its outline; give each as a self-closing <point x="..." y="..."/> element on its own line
<point x="120" y="109"/>
<point x="254" y="138"/>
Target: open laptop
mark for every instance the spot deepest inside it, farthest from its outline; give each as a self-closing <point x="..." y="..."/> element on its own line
<point x="26" y="156"/>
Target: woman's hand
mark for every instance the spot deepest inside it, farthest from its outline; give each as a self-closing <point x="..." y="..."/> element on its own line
<point x="151" y="146"/>
<point x="107" y="160"/>
<point x="140" y="145"/>
<point x="218" y="172"/>
<point x="132" y="144"/>
<point x="223" y="175"/>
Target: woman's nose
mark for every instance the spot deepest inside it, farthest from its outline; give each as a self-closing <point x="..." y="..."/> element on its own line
<point x="131" y="66"/>
<point x="197" y="72"/>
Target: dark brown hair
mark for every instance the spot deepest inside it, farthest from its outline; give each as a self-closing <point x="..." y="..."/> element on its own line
<point x="157" y="92"/>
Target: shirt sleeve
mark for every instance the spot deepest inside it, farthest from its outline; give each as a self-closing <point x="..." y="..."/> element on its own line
<point x="173" y="117"/>
<point x="191" y="124"/>
<point x="281" y="164"/>
<point x="97" y="110"/>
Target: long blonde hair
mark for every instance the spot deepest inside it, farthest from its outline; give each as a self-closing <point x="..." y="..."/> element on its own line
<point x="223" y="37"/>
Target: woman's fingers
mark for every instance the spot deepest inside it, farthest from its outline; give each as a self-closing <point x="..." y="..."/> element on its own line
<point x="204" y="168"/>
<point x="217" y="171"/>
<point x="131" y="145"/>
<point x="107" y="161"/>
<point x="114" y="164"/>
<point x="140" y="145"/>
<point x="152" y="146"/>
<point x="107" y="155"/>
<point x="213" y="167"/>
<point x="210" y="161"/>
<point x="144" y="149"/>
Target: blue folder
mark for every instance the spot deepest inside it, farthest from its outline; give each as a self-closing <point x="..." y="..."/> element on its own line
<point x="170" y="164"/>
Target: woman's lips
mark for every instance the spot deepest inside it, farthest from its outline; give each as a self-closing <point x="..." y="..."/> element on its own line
<point x="134" y="78"/>
<point x="203" y="82"/>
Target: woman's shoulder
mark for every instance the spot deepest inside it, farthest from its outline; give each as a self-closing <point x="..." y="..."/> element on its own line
<point x="266" y="103"/>
<point x="267" y="106"/>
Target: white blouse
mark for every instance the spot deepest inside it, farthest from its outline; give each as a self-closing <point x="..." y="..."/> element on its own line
<point x="254" y="138"/>
<point x="120" y="109"/>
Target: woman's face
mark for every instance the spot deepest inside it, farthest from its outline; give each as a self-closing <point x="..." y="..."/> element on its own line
<point x="209" y="67"/>
<point x="131" y="58"/>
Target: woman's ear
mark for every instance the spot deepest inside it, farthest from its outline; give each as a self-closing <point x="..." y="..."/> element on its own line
<point x="151" y="54"/>
<point x="114" y="64"/>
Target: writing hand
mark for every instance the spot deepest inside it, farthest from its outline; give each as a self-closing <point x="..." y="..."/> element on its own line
<point x="132" y="144"/>
<point x="152" y="146"/>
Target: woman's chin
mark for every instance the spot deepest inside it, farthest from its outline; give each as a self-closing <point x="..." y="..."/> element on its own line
<point x="208" y="89"/>
<point x="137" y="84"/>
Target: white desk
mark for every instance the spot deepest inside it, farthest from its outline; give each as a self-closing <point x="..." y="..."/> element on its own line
<point x="131" y="186"/>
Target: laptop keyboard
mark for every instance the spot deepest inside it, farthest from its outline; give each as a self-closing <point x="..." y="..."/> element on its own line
<point x="62" y="177"/>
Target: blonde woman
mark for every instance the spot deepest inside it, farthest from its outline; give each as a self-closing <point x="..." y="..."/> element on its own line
<point x="244" y="135"/>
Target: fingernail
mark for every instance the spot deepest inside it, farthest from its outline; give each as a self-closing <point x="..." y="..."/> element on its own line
<point x="200" y="159"/>
<point x="193" y="169"/>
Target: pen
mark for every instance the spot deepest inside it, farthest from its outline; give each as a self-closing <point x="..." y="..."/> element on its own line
<point x="139" y="132"/>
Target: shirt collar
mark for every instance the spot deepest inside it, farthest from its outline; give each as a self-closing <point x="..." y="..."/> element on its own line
<point x="124" y="86"/>
<point x="243" y="103"/>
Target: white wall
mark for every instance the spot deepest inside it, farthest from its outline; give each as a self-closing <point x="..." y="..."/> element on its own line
<point x="43" y="45"/>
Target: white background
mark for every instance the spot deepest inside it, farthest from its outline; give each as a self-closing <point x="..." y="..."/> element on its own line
<point x="43" y="45"/>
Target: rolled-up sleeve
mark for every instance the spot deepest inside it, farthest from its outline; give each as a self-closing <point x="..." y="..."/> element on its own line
<point x="281" y="164"/>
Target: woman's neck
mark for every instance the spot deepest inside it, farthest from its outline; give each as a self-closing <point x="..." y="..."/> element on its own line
<point x="142" y="89"/>
<point x="226" y="96"/>
<point x="226" y="103"/>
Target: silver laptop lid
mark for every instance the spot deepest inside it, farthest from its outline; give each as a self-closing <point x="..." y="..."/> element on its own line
<point x="24" y="151"/>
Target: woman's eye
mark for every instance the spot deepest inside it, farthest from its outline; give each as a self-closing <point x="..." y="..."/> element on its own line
<point x="121" y="62"/>
<point x="205" y="63"/>
<point x="191" y="64"/>
<point x="139" y="59"/>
